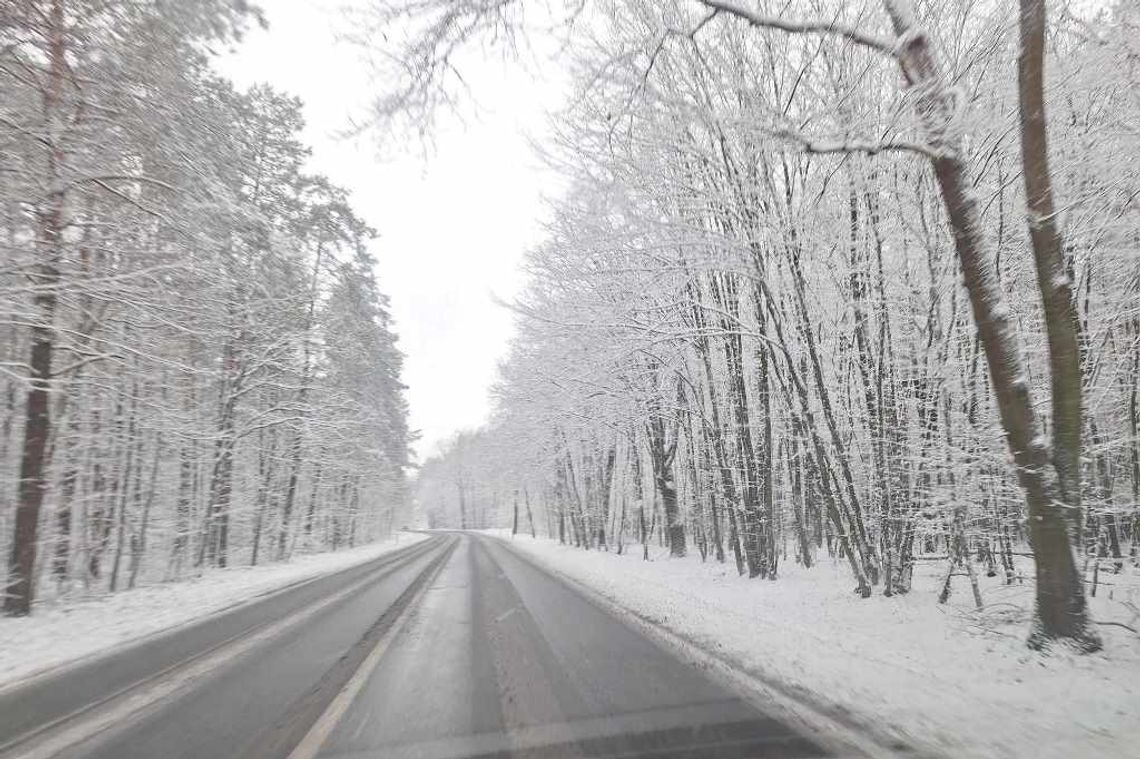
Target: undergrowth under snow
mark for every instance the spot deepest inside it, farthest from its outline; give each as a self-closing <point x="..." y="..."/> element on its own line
<point x="946" y="678"/>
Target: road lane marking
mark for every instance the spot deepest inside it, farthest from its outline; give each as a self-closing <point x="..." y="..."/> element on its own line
<point x="507" y="614"/>
<point x="319" y="733"/>
<point x="66" y="668"/>
<point x="129" y="706"/>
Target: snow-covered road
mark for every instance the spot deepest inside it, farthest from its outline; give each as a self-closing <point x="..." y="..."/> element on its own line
<point x="946" y="679"/>
<point x="131" y="678"/>
<point x="453" y="647"/>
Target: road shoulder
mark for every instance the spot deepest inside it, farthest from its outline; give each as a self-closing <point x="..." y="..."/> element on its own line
<point x="829" y="724"/>
<point x="47" y="641"/>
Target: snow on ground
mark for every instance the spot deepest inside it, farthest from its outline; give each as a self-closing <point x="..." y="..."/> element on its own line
<point x="945" y="678"/>
<point x="64" y="631"/>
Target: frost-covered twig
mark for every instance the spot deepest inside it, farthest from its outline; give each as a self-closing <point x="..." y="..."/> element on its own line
<point x="812" y="26"/>
<point x="859" y="146"/>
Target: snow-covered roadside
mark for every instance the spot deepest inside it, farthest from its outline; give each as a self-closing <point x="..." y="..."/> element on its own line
<point x="62" y="632"/>
<point x="945" y="678"/>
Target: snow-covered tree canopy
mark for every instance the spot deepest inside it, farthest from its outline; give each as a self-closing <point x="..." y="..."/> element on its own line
<point x="199" y="367"/>
<point x="797" y="303"/>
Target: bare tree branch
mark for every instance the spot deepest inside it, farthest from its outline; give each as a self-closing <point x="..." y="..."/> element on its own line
<point x="884" y="45"/>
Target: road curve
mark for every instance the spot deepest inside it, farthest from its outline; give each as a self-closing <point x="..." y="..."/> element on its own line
<point x="456" y="648"/>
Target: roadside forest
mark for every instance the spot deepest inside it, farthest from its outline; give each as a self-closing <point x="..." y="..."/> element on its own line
<point x="197" y="365"/>
<point x="851" y="282"/>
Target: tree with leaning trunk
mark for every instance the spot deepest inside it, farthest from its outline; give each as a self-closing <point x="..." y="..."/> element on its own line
<point x="1049" y="480"/>
<point x="1049" y="475"/>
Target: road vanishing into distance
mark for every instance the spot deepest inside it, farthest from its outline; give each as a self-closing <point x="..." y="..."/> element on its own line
<point x="452" y="647"/>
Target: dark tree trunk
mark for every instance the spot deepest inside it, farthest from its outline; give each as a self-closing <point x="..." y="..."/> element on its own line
<point x="726" y="294"/>
<point x="662" y="453"/>
<point x="20" y="590"/>
<point x="515" y="519"/>
<point x="133" y="452"/>
<point x="462" y="505"/>
<point x="1053" y="279"/>
<point x="716" y="437"/>
<point x="529" y="514"/>
<point x="138" y="544"/>
<point x="1061" y="609"/>
<point x="606" y="487"/>
<point x="61" y="559"/>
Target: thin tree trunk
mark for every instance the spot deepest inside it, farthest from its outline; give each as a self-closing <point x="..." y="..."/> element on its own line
<point x="129" y="464"/>
<point x="725" y="293"/>
<point x="139" y="553"/>
<point x="529" y="514"/>
<point x="297" y="446"/>
<point x="515" y="518"/>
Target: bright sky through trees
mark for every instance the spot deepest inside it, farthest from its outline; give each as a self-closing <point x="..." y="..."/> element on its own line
<point x="455" y="217"/>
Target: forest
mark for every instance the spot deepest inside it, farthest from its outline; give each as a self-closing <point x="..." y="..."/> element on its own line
<point x="197" y="364"/>
<point x="850" y="282"/>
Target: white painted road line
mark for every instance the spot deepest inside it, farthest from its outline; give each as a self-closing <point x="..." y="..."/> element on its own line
<point x="311" y="744"/>
<point x="133" y="704"/>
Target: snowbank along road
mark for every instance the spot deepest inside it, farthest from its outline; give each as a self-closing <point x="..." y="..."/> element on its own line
<point x="453" y="647"/>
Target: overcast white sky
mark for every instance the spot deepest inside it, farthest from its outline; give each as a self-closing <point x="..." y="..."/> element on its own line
<point x="454" y="224"/>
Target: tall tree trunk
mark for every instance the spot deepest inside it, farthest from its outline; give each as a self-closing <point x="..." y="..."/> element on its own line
<point x="462" y="505"/>
<point x="138" y="546"/>
<point x="311" y="511"/>
<point x="604" y="495"/>
<point x="61" y="558"/>
<point x="133" y="451"/>
<point x="265" y="457"/>
<point x="20" y="591"/>
<point x="529" y="513"/>
<point x="858" y="527"/>
<point x="860" y="291"/>
<point x="795" y="473"/>
<point x="726" y="294"/>
<point x="662" y="454"/>
<point x="769" y="518"/>
<point x="297" y="446"/>
<point x="1134" y="433"/>
<point x="1053" y="278"/>
<point x="1061" y="612"/>
<point x="515" y="519"/>
<point x="837" y="512"/>
<point x="717" y="434"/>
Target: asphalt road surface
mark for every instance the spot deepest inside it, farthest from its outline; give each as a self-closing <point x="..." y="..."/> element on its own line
<point x="455" y="647"/>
